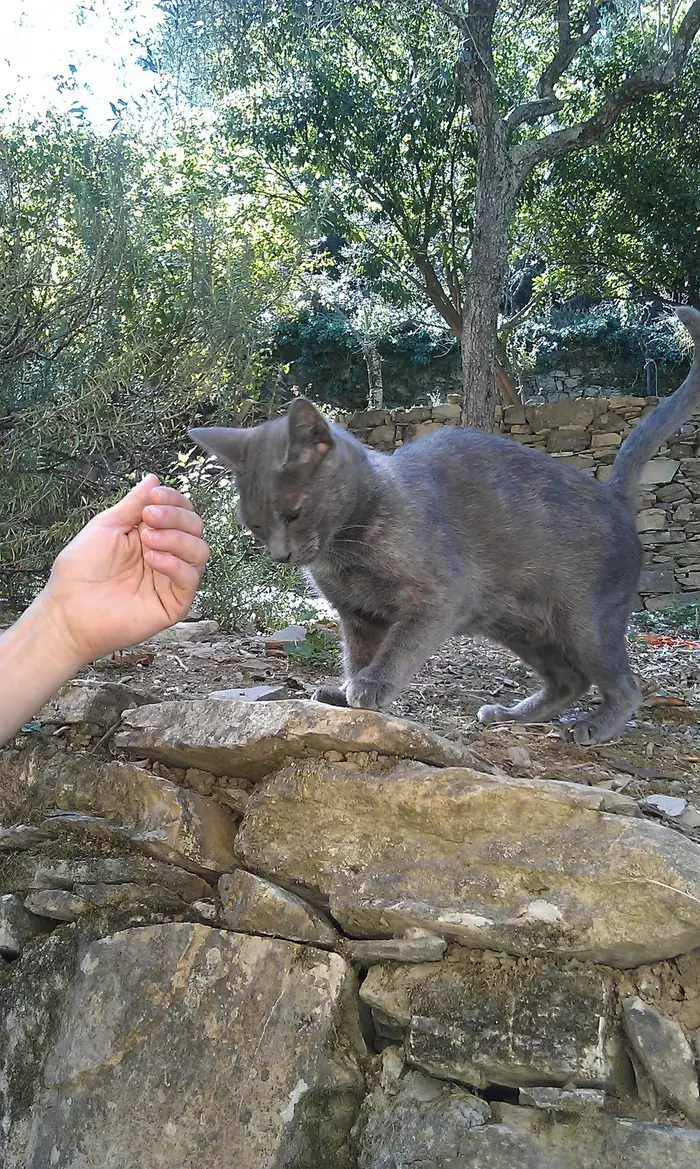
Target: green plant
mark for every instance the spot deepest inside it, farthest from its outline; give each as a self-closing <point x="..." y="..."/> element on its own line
<point x="681" y="620"/>
<point x="319" y="648"/>
<point x="242" y="588"/>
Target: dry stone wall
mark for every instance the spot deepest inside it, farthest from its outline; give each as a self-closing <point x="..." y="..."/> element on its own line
<point x="383" y="959"/>
<point x="587" y="433"/>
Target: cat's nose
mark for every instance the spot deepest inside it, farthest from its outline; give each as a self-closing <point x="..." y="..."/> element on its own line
<point x="283" y="557"/>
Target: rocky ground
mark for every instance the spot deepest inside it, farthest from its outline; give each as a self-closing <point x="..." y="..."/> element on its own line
<point x="332" y="939"/>
<point x="660" y="752"/>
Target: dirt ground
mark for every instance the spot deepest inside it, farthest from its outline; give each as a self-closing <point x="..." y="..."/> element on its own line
<point x="659" y="753"/>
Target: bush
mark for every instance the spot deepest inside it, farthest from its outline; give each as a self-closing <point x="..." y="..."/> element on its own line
<point x="624" y="336"/>
<point x="242" y="588"/>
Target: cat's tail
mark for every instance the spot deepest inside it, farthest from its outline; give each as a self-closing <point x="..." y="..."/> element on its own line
<point x="663" y="421"/>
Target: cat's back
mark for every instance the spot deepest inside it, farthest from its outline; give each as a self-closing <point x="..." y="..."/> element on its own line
<point x="493" y="484"/>
<point x="457" y="457"/>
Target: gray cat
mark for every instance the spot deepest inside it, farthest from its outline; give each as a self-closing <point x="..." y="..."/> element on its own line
<point x="460" y="532"/>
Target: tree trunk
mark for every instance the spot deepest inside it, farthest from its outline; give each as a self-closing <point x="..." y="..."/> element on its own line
<point x="375" y="381"/>
<point x="495" y="201"/>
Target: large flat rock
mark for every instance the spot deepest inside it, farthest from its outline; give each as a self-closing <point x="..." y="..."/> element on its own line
<point x="254" y="739"/>
<point x="517" y="1025"/>
<point x="162" y="818"/>
<point x="178" y="1046"/>
<point x="503" y="864"/>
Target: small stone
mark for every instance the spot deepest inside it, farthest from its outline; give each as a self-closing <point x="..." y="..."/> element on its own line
<point x="671" y="806"/>
<point x="206" y="910"/>
<point x="423" y="948"/>
<point x="290" y="635"/>
<point x="690" y="818"/>
<point x="20" y="836"/>
<point x="202" y="781"/>
<point x="446" y="412"/>
<point x="17" y="926"/>
<point x="250" y="694"/>
<point x="99" y="703"/>
<point x="251" y="905"/>
<point x="235" y="798"/>
<point x="519" y="756"/>
<point x="562" y="1099"/>
<point x="665" y="1054"/>
<point x="186" y="631"/>
<point x="651" y="520"/>
<point x="58" y="904"/>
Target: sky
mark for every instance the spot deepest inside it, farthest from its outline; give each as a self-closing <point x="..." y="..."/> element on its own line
<point x="73" y="53"/>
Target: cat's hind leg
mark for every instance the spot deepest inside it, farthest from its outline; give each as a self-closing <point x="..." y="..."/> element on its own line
<point x="613" y="676"/>
<point x="563" y="684"/>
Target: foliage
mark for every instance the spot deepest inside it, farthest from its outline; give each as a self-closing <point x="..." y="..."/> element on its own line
<point x="242" y="587"/>
<point x="319" y="648"/>
<point x="611" y="333"/>
<point x="680" y="620"/>
<point x="321" y="349"/>
<point x="418" y="128"/>
<point x="135" y="284"/>
<point x="624" y="218"/>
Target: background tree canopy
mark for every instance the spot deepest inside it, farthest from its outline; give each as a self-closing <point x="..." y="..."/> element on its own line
<point x="423" y="129"/>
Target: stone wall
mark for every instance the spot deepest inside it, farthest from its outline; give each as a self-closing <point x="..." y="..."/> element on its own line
<point x="586" y="433"/>
<point x="336" y="956"/>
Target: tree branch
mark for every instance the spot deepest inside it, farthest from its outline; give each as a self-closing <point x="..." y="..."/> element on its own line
<point x="547" y="102"/>
<point x="654" y="78"/>
<point x="437" y="294"/>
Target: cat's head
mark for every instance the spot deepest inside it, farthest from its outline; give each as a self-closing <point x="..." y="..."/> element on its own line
<point x="291" y="479"/>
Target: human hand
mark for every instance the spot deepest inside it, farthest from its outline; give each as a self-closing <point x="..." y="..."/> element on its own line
<point x="132" y="571"/>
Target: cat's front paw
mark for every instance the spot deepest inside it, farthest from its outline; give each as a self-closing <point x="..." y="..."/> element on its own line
<point x="368" y="694"/>
<point x="331" y="695"/>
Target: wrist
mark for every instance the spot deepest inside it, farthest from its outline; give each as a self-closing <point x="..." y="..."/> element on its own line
<point x="50" y="637"/>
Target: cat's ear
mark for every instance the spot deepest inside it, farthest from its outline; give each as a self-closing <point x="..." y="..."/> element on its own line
<point x="228" y="444"/>
<point x="310" y="437"/>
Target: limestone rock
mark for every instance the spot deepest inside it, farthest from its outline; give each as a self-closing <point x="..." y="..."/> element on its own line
<point x="417" y="1123"/>
<point x="482" y="1025"/>
<point x="183" y="632"/>
<point x="178" y="1045"/>
<point x="58" y="904"/>
<point x="665" y="1055"/>
<point x="160" y="817"/>
<point x="562" y="1099"/>
<point x="521" y="865"/>
<point x="16" y="837"/>
<point x="424" y="1124"/>
<point x="594" y="1142"/>
<point x="253" y="739"/>
<point x="30" y="872"/>
<point x="418" y="946"/>
<point x="254" y="906"/>
<point x="249" y="694"/>
<point x="658" y="471"/>
<point x="62" y="905"/>
<point x="17" y="926"/>
<point x="98" y="703"/>
<point x="580" y="412"/>
<point x="671" y="806"/>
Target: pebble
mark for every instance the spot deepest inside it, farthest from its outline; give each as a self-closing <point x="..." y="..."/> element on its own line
<point x="671" y="806"/>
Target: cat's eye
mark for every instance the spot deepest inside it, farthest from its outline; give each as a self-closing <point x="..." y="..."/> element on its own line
<point x="293" y="515"/>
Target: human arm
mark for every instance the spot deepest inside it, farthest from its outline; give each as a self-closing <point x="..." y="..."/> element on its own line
<point x="132" y="571"/>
